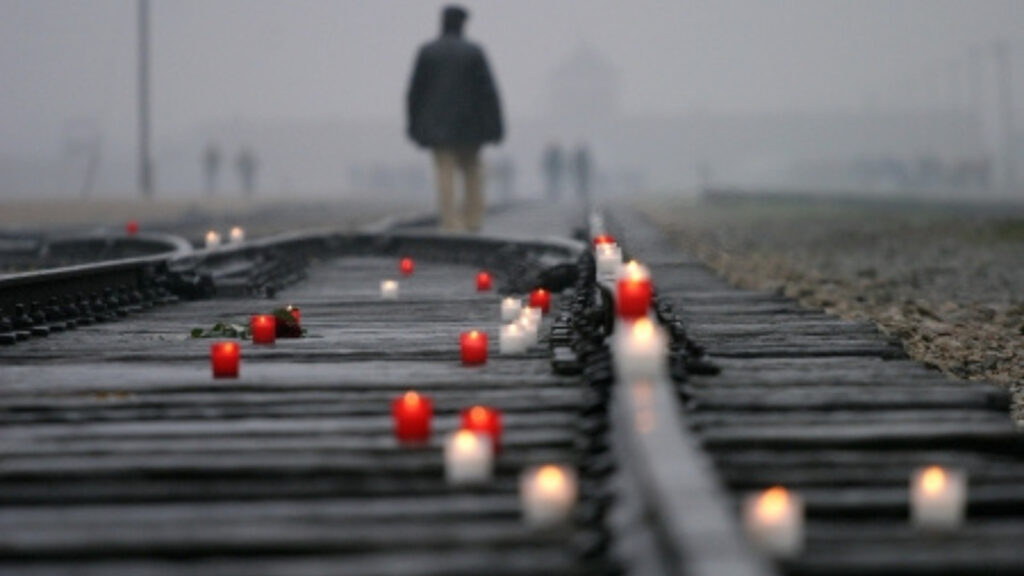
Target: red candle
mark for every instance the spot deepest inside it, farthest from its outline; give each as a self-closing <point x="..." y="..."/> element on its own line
<point x="473" y="346"/>
<point x="406" y="266"/>
<point x="264" y="329"/>
<point x="412" y="413"/>
<point x="295" y="312"/>
<point x="540" y="298"/>
<point x="483" y="281"/>
<point x="131" y="227"/>
<point x="604" y="239"/>
<point x="634" y="296"/>
<point x="483" y="420"/>
<point x="224" y="358"/>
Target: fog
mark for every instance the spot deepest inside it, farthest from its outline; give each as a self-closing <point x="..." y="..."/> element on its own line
<point x="875" y="95"/>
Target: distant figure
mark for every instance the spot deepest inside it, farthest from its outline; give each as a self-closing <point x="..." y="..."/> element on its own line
<point x="582" y="172"/>
<point x="453" y="109"/>
<point x="247" y="165"/>
<point x="211" y="166"/>
<point x="553" y="166"/>
<point x="504" y="176"/>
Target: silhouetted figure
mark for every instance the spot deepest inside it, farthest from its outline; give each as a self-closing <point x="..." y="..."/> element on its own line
<point x="211" y="166"/>
<point x="453" y="109"/>
<point x="504" y="176"/>
<point x="247" y="165"/>
<point x="553" y="166"/>
<point x="582" y="172"/>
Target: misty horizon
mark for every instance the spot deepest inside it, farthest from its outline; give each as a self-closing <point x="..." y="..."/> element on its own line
<point x="223" y="70"/>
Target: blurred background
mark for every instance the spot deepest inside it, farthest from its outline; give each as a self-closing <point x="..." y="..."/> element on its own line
<point x="863" y="156"/>
<point x="887" y="97"/>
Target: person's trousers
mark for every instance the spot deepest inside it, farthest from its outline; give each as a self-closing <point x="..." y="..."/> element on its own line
<point x="467" y="161"/>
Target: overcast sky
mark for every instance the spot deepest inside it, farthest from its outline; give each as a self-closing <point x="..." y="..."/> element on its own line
<point x="64" y="62"/>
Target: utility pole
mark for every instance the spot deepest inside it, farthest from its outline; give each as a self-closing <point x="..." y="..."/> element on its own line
<point x="145" y="164"/>
<point x="1005" y="79"/>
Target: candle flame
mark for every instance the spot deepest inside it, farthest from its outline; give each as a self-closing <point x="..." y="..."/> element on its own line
<point x="513" y="329"/>
<point x="478" y="414"/>
<point x="550" y="478"/>
<point x="465" y="440"/>
<point x="933" y="480"/>
<point x="411" y="399"/>
<point x="643" y="330"/>
<point x="635" y="271"/>
<point x="773" y="503"/>
<point x="474" y="335"/>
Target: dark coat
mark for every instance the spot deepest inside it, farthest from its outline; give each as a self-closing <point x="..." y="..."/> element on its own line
<point x="452" y="100"/>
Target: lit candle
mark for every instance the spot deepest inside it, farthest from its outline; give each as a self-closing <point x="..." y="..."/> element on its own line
<point x="412" y="413"/>
<point x="540" y="298"/>
<point x="601" y="239"/>
<point x="296" y="313"/>
<point x="633" y="296"/>
<point x="938" y="498"/>
<point x="528" y="326"/>
<point x="468" y="458"/>
<point x="264" y="328"/>
<point x="406" y="266"/>
<point x="533" y="314"/>
<point x="639" y="350"/>
<point x="131" y="227"/>
<point x="609" y="259"/>
<point x="774" y="521"/>
<point x="510" y="308"/>
<point x="473" y="347"/>
<point x="237" y="234"/>
<point x="483" y="420"/>
<point x="547" y="494"/>
<point x="389" y="289"/>
<point x="224" y="358"/>
<point x="483" y="281"/>
<point x="212" y="239"/>
<point x="513" y="339"/>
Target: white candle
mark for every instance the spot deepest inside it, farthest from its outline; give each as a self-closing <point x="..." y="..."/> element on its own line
<point x="536" y="315"/>
<point x="529" y="327"/>
<point x="510" y="309"/>
<point x="774" y="521"/>
<point x="237" y="234"/>
<point x="639" y="350"/>
<point x="513" y="339"/>
<point x="468" y="458"/>
<point x="609" y="260"/>
<point x="212" y="239"/>
<point x="547" y="494"/>
<point x="938" y="498"/>
<point x="389" y="289"/>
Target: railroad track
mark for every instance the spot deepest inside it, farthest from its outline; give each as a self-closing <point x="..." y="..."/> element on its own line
<point x="120" y="455"/>
<point x="836" y="412"/>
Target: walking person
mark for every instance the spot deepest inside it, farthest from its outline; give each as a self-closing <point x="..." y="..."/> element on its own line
<point x="211" y="166"/>
<point x="453" y="109"/>
<point x="247" y="166"/>
<point x="582" y="171"/>
<point x="553" y="168"/>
